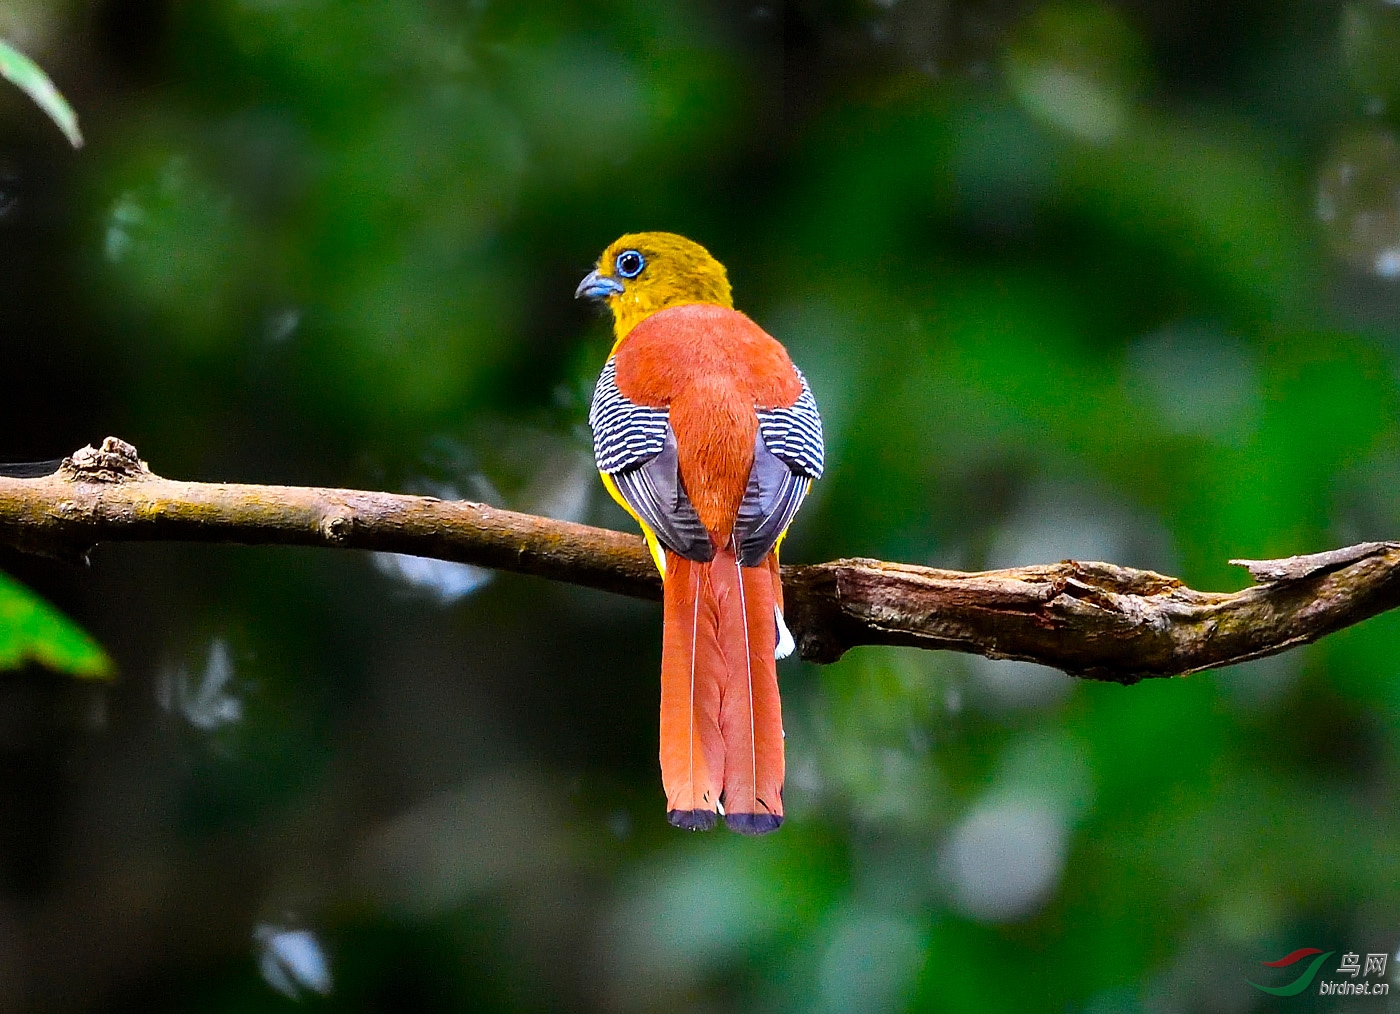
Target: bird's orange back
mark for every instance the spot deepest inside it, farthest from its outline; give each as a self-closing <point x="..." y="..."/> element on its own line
<point x="712" y="367"/>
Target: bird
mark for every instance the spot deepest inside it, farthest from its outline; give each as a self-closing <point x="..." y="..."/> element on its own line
<point x="710" y="438"/>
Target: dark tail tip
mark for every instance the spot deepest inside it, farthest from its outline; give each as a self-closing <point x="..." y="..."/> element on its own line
<point x="753" y="823"/>
<point x="691" y="820"/>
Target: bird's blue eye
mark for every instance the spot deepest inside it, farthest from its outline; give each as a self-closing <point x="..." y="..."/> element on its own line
<point x="630" y="263"/>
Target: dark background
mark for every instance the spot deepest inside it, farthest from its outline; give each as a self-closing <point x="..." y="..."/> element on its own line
<point x="1068" y="279"/>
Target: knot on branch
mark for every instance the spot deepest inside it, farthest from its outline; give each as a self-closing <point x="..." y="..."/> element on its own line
<point x="337" y="525"/>
<point x="115" y="461"/>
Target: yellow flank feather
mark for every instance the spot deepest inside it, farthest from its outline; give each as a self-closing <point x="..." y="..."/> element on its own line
<point x="677" y="271"/>
<point x="658" y="554"/>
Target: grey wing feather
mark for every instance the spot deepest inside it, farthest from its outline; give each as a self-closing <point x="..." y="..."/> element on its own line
<point x="788" y="455"/>
<point x="655" y="492"/>
<point x="774" y="494"/>
<point x="634" y="444"/>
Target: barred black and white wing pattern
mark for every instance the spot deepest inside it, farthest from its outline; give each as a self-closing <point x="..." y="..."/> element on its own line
<point x="794" y="434"/>
<point x="635" y="449"/>
<point x="788" y="454"/>
<point x="625" y="434"/>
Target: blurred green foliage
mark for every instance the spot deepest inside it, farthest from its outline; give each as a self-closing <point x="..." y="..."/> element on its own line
<point x="32" y="630"/>
<point x="1077" y="279"/>
<point x="30" y="77"/>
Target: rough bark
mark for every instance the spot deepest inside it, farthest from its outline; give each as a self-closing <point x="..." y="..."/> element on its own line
<point x="1095" y="620"/>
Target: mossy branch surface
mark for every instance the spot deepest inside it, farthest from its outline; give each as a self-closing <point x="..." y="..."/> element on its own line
<point x="1095" y="620"/>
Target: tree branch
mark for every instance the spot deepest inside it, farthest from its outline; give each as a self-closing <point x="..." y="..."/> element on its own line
<point x="1094" y="620"/>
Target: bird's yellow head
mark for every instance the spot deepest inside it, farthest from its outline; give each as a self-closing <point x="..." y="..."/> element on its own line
<point x="644" y="272"/>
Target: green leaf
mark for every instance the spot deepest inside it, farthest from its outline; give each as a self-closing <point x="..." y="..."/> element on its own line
<point x="24" y="72"/>
<point x="33" y="630"/>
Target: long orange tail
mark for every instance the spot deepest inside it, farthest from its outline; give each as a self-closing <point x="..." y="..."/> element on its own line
<point x="721" y="721"/>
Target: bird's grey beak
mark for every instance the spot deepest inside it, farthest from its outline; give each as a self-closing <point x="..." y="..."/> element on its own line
<point x="596" y="286"/>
